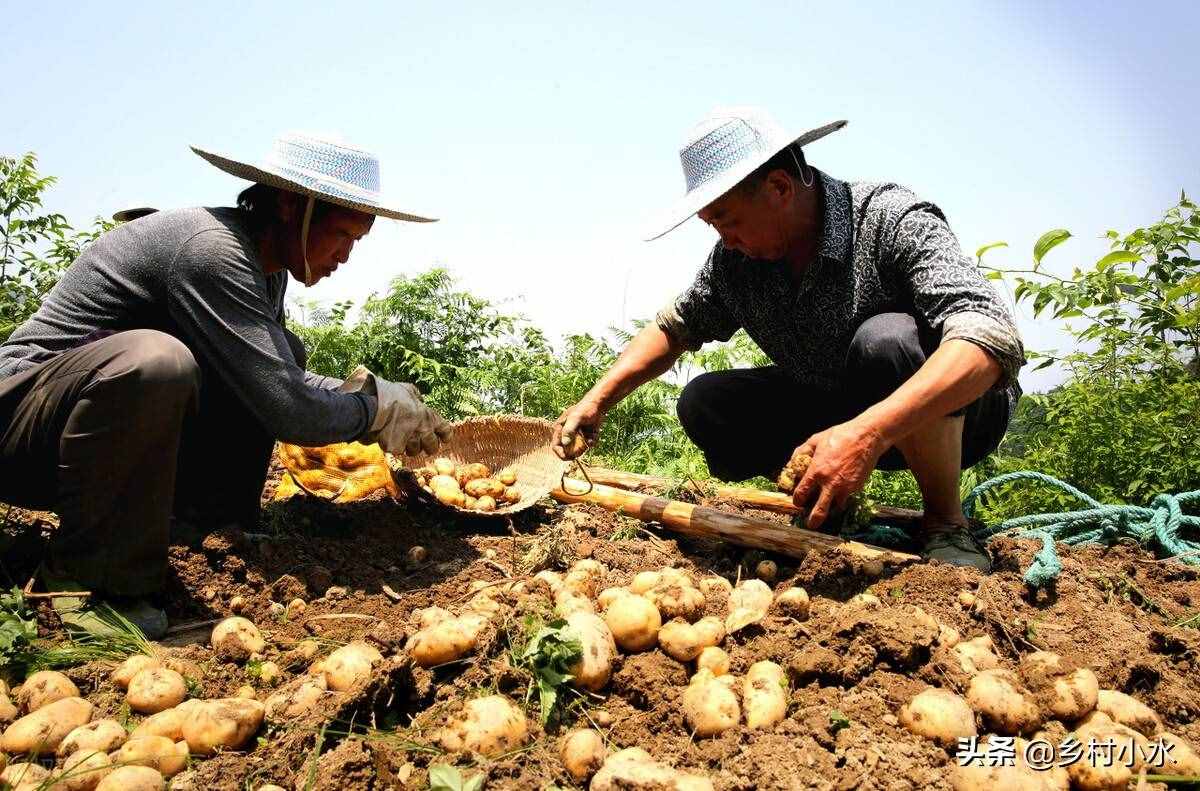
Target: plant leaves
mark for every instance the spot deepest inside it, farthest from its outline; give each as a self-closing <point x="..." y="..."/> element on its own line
<point x="979" y="253"/>
<point x="1049" y="240"/>
<point x="445" y="778"/>
<point x="1117" y="257"/>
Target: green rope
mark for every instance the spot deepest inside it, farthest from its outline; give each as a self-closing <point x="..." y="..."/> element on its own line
<point x="1159" y="527"/>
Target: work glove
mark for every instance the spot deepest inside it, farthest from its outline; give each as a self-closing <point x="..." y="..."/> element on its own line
<point x="403" y="424"/>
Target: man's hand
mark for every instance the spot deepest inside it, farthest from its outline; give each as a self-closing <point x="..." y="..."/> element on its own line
<point x="577" y="429"/>
<point x="842" y="459"/>
<point x="403" y="424"/>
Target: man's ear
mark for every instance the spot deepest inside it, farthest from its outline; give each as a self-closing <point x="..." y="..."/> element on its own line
<point x="289" y="207"/>
<point x="780" y="187"/>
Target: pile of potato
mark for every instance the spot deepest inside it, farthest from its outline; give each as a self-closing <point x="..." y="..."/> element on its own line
<point x="469" y="486"/>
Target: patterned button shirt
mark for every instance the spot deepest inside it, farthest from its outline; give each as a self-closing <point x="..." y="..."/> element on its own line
<point x="882" y="250"/>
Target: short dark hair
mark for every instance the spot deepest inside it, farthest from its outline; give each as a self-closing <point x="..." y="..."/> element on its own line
<point x="790" y="160"/>
<point x="261" y="201"/>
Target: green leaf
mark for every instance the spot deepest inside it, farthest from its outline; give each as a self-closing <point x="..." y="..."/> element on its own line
<point x="474" y="784"/>
<point x="837" y="721"/>
<point x="445" y="778"/>
<point x="1049" y="240"/>
<point x="1117" y="257"/>
<point x="994" y="275"/>
<point x="979" y="253"/>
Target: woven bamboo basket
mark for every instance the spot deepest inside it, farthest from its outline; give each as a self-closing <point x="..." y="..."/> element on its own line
<point x="501" y="442"/>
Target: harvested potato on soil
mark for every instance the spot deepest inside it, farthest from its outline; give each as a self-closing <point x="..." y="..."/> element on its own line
<point x="764" y="695"/>
<point x="634" y="622"/>
<point x="767" y="571"/>
<point x="489" y="726"/>
<point x="298" y="698"/>
<point x="1063" y="693"/>
<point x="710" y="630"/>
<point x="582" y="752"/>
<point x="43" y="730"/>
<point x="154" y="690"/>
<point x="82" y="771"/>
<point x="1128" y="711"/>
<point x="1020" y="776"/>
<point x="610" y="595"/>
<point x="713" y="586"/>
<point x="975" y="655"/>
<point x="748" y="603"/>
<point x="8" y="710"/>
<point x="1006" y="706"/>
<point x="594" y="667"/>
<point x="644" y="582"/>
<point x="167" y="723"/>
<point x="446" y="641"/>
<point x="679" y="640"/>
<point x="131" y="667"/>
<point x="350" y="665"/>
<point x="102" y="735"/>
<point x="634" y="768"/>
<point x="710" y="704"/>
<point x="44" y="687"/>
<point x="1105" y="769"/>
<point x="431" y="616"/>
<point x="222" y="723"/>
<point x="714" y="660"/>
<point x="132" y="778"/>
<point x="24" y="776"/>
<point x="939" y="715"/>
<point x="793" y="602"/>
<point x="1181" y="759"/>
<point x="157" y="752"/>
<point x="236" y="638"/>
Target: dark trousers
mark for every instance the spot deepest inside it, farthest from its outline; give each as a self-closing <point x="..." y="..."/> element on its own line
<point x="748" y="421"/>
<point x="116" y="436"/>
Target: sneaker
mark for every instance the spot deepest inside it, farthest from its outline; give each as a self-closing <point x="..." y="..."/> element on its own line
<point x="82" y="615"/>
<point x="955" y="544"/>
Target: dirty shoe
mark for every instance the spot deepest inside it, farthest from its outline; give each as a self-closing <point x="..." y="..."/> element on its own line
<point x="84" y="615"/>
<point x="955" y="544"/>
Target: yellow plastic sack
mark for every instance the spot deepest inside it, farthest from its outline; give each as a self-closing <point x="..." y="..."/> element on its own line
<point x="341" y="473"/>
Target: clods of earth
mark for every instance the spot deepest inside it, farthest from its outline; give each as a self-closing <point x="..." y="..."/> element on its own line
<point x="374" y="646"/>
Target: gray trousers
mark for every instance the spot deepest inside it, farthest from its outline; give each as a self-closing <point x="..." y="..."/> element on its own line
<point x="116" y="436"/>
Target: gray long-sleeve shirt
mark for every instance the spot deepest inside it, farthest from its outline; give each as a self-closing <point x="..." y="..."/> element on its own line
<point x="194" y="274"/>
<point x="882" y="249"/>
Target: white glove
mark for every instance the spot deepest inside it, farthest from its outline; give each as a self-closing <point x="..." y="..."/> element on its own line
<point x="403" y="424"/>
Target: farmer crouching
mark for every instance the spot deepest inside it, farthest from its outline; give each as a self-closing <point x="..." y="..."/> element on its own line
<point x="145" y="395"/>
<point x="890" y="348"/>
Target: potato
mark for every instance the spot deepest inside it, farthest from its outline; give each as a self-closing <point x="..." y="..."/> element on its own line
<point x="507" y="477"/>
<point x="714" y="660"/>
<point x="236" y="638"/>
<point x="948" y="636"/>
<point x="443" y="466"/>
<point x="1106" y="769"/>
<point x="43" y="730"/>
<point x="268" y="673"/>
<point x="489" y="726"/>
<point x="226" y="723"/>
<point x="679" y="640"/>
<point x="939" y="715"/>
<point x="350" y="665"/>
<point x="8" y="710"/>
<point x="709" y="705"/>
<point x="676" y="598"/>
<point x="712" y="586"/>
<point x="446" y="641"/>
<point x="82" y="771"/>
<point x="710" y="630"/>
<point x="155" y="690"/>
<point x="793" y="471"/>
<point x="594" y="668"/>
<point x="168" y="723"/>
<point x="634" y="622"/>
<point x="633" y="769"/>
<point x="1181" y="759"/>
<point x="567" y="602"/>
<point x="582" y="751"/>
<point x="1006" y="706"/>
<point x="44" y="687"/>
<point x="1063" y="694"/>
<point x="793" y="602"/>
<point x="157" y="752"/>
<point x="764" y="695"/>
<point x="609" y="595"/>
<point x="748" y="603"/>
<point x="23" y="776"/>
<point x="867" y="601"/>
<point x="1128" y="711"/>
<point x="592" y="568"/>
<point x="447" y="491"/>
<point x="581" y="583"/>
<point x="644" y="581"/>
<point x="481" y="487"/>
<point x="246" y="691"/>
<point x="767" y="571"/>
<point x="297" y="699"/>
<point x="132" y="778"/>
<point x="485" y="504"/>
<point x="550" y="580"/>
<point x="431" y="616"/>
<point x="1020" y="776"/>
<point x="511" y="495"/>
<point x="134" y="665"/>
<point x="470" y="472"/>
<point x="975" y="655"/>
<point x="102" y="735"/>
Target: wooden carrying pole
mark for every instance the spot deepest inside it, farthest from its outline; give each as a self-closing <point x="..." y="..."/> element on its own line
<point x="703" y="522"/>
<point x="755" y="498"/>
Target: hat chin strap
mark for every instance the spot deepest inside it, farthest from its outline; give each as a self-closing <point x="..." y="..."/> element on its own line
<point x="308" y="210"/>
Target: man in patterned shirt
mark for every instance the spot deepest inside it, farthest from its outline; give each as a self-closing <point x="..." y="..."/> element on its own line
<point x="890" y="348"/>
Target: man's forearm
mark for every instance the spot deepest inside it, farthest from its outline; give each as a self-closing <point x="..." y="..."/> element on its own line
<point x="956" y="374"/>
<point x="649" y="355"/>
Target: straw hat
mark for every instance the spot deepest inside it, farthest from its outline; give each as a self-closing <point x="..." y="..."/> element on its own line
<point x="320" y="167"/>
<point x="125" y="215"/>
<point x="723" y="149"/>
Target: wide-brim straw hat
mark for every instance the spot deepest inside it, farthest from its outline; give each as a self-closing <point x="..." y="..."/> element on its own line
<point x="319" y="166"/>
<point x="720" y="151"/>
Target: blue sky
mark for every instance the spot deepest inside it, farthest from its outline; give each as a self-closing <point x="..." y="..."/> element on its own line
<point x="545" y="134"/>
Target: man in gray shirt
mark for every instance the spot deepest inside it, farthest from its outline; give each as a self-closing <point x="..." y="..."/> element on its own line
<point x="156" y="376"/>
<point x="890" y="348"/>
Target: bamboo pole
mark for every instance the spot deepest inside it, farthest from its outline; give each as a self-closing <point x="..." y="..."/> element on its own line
<point x="698" y="520"/>
<point x="755" y="498"/>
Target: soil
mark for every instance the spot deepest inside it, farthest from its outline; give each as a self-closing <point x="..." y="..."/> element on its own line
<point x="852" y="665"/>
